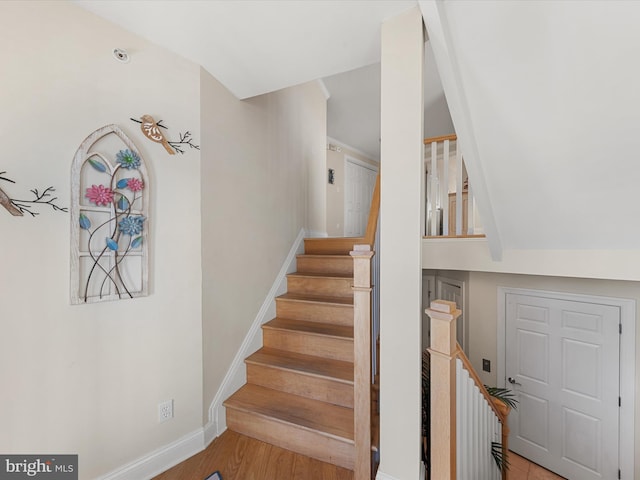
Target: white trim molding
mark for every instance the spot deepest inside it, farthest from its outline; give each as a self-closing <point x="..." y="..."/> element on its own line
<point x="383" y="476"/>
<point x="236" y="375"/>
<point x="323" y="87"/>
<point x="338" y="143"/>
<point x="357" y="161"/>
<point x="627" y="360"/>
<point x="160" y="460"/>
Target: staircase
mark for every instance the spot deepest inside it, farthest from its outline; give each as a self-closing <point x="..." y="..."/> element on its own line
<point x="299" y="393"/>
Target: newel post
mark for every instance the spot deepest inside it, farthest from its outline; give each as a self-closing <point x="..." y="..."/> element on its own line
<point x="443" y="348"/>
<point x="362" y="360"/>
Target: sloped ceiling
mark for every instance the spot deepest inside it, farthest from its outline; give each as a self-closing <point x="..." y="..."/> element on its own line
<point x="353" y="109"/>
<point x="552" y="93"/>
<point x="256" y="46"/>
<point x="548" y="90"/>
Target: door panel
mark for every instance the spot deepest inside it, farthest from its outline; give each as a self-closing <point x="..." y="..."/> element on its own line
<point x="359" y="185"/>
<point x="562" y="361"/>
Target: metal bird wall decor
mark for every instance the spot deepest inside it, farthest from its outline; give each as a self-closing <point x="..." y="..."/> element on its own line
<point x="18" y="208"/>
<point x="151" y="129"/>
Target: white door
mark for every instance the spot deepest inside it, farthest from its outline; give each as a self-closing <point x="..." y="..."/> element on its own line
<point x="451" y="290"/>
<point x="563" y="362"/>
<point x="358" y="190"/>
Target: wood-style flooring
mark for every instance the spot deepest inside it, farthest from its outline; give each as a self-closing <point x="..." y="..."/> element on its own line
<point x="523" y="469"/>
<point x="238" y="457"/>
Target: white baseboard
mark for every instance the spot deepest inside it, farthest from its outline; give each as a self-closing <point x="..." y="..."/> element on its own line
<point x="383" y="476"/>
<point x="160" y="460"/>
<point x="236" y="375"/>
<point x="210" y="433"/>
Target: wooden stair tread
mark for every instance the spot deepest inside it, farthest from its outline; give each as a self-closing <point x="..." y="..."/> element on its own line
<point x="324" y="256"/>
<point x="324" y="418"/>
<point x="348" y="301"/>
<point x="307" y="364"/>
<point x="340" y="276"/>
<point x="313" y="328"/>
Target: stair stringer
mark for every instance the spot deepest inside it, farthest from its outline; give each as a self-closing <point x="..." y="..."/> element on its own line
<point x="236" y="375"/>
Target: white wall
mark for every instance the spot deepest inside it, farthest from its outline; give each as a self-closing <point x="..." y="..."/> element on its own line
<point x="400" y="272"/>
<point x="87" y="379"/>
<point x="437" y="119"/>
<point x="259" y="160"/>
<point x="552" y="99"/>
<point x="483" y="318"/>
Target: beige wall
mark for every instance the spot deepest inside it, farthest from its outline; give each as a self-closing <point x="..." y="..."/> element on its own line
<point x="335" y="192"/>
<point x="259" y="159"/>
<point x="87" y="379"/>
<point x="483" y="317"/>
<point x="400" y="271"/>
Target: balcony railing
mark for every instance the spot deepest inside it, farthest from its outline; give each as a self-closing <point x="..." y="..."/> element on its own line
<point x="449" y="202"/>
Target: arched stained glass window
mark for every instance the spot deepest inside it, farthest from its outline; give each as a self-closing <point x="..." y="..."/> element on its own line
<point x="109" y="219"/>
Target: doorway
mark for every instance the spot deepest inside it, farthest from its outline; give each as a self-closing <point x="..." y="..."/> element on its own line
<point x="569" y="360"/>
<point x="360" y="180"/>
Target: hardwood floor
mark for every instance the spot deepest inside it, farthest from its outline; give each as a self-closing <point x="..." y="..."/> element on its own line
<point x="238" y="457"/>
<point x="523" y="469"/>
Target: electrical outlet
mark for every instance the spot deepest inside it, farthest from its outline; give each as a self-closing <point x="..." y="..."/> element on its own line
<point x="486" y="365"/>
<point x="165" y="411"/>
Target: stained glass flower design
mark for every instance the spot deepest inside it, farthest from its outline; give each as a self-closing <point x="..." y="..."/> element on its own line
<point x="131" y="225"/>
<point x="100" y="195"/>
<point x="135" y="184"/>
<point x="128" y="159"/>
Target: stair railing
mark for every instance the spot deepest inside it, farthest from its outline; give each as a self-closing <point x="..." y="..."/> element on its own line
<point x="465" y="419"/>
<point x="363" y="339"/>
<point x="447" y="214"/>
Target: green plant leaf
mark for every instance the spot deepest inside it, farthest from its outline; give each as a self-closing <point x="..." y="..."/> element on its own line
<point x="505" y="395"/>
<point x="499" y="456"/>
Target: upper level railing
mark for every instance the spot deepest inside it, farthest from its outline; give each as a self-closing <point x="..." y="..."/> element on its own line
<point x="465" y="419"/>
<point x="449" y="201"/>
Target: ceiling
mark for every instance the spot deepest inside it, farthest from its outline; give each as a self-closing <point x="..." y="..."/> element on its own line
<point x="353" y="109"/>
<point x="544" y="93"/>
<point x="256" y="46"/>
<point x="550" y="105"/>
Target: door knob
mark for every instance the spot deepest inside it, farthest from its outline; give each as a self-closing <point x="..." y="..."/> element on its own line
<point x="512" y="381"/>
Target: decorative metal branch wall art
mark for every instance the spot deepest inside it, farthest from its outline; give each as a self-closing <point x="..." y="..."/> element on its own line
<point x="151" y="129"/>
<point x="109" y="219"/>
<point x="18" y="207"/>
